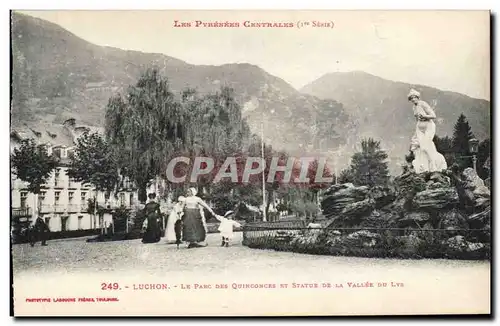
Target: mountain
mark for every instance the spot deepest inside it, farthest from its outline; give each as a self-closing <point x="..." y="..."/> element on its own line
<point x="57" y="76"/>
<point x="382" y="110"/>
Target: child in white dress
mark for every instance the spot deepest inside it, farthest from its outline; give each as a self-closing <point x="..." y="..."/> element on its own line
<point x="226" y="227"/>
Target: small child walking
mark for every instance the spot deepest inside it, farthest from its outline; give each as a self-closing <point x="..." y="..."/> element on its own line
<point x="226" y="227"/>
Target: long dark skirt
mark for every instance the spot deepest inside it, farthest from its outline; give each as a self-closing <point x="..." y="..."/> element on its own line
<point x="193" y="229"/>
<point x="153" y="232"/>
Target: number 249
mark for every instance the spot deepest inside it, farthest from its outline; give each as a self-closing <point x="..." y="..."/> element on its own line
<point x="109" y="286"/>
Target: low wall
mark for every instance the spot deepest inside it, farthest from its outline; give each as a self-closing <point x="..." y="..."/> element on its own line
<point x="59" y="235"/>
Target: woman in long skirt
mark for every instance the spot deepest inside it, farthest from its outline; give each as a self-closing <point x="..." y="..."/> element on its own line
<point x="173" y="218"/>
<point x="193" y="224"/>
<point x="152" y="212"/>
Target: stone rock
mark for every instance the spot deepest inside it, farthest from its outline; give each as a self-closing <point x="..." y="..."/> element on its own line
<point x="333" y="238"/>
<point x="471" y="178"/>
<point x="414" y="219"/>
<point x="336" y="187"/>
<point x="360" y="208"/>
<point x="340" y="196"/>
<point x="474" y="246"/>
<point x="479" y="219"/>
<point x="382" y="195"/>
<point x="436" y="198"/>
<point x="410" y="243"/>
<point x="482" y="191"/>
<point x="363" y="238"/>
<point x="305" y="239"/>
<point x="380" y="219"/>
<point x="482" y="203"/>
<point x="457" y="243"/>
<point x="410" y="183"/>
<point x="399" y="205"/>
<point x="440" y="179"/>
<point x="452" y="221"/>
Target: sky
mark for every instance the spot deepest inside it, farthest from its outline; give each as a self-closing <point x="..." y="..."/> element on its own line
<point x="449" y="50"/>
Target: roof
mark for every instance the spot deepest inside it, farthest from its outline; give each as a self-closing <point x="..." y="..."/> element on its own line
<point x="56" y="135"/>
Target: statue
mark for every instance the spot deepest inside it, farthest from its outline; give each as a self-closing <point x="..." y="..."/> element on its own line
<point x="426" y="156"/>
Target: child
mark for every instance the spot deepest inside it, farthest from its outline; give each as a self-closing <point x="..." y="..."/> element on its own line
<point x="226" y="227"/>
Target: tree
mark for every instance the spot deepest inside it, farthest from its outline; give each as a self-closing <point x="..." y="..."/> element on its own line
<point x="461" y="135"/>
<point x="369" y="166"/>
<point x="145" y="128"/>
<point x="32" y="164"/>
<point x="94" y="163"/>
<point x="346" y="176"/>
<point x="484" y="152"/>
<point x="444" y="145"/>
<point x="213" y="127"/>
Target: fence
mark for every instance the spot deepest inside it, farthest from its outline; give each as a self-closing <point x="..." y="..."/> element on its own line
<point x="295" y="236"/>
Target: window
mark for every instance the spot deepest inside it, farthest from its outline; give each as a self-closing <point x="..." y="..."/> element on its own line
<point x="56" y="177"/>
<point x="57" y="152"/>
<point x="70" y="196"/>
<point x="122" y="199"/>
<point x="57" y="194"/>
<point x="41" y="197"/>
<point x="83" y="196"/>
<point x="24" y="198"/>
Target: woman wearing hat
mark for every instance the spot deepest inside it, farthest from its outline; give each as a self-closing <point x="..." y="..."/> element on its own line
<point x="152" y="213"/>
<point x="427" y="158"/>
<point x="193" y="225"/>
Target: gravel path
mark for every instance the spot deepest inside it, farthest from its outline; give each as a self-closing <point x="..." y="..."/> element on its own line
<point x="66" y="266"/>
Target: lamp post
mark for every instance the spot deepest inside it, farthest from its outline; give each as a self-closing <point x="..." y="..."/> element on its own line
<point x="473" y="149"/>
<point x="264" y="215"/>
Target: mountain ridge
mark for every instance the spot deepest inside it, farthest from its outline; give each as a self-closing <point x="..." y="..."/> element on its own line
<point x="57" y="75"/>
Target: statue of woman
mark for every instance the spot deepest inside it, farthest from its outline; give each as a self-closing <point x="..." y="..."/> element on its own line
<point x="427" y="158"/>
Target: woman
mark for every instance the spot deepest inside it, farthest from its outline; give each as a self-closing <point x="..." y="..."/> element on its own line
<point x="175" y="216"/>
<point x="152" y="213"/>
<point x="427" y="157"/>
<point x="193" y="228"/>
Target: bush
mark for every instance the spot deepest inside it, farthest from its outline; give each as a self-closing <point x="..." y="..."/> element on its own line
<point x="388" y="245"/>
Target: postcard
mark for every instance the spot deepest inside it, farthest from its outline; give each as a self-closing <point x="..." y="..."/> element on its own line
<point x="250" y="163"/>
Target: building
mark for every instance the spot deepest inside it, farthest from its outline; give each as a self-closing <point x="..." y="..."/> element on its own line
<point x="63" y="202"/>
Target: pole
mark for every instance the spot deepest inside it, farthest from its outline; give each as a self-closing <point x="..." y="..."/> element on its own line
<point x="474" y="162"/>
<point x="264" y="217"/>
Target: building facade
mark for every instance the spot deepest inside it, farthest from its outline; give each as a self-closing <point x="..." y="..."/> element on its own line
<point x="63" y="203"/>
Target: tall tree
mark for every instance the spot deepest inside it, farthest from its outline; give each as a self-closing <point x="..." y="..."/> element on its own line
<point x="461" y="135"/>
<point x="483" y="154"/>
<point x="32" y="164"/>
<point x="369" y="166"/>
<point x="214" y="127"/>
<point x="444" y="145"/>
<point x="145" y="128"/>
<point x="94" y="163"/>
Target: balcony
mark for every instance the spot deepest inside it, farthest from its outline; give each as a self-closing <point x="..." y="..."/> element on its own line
<point x="21" y="212"/>
<point x="83" y="207"/>
<point x="44" y="208"/>
<point x="60" y="208"/>
<point x="73" y="208"/>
